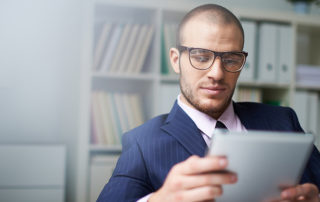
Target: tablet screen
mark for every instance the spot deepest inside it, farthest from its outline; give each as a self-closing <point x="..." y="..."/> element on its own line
<point x="264" y="162"/>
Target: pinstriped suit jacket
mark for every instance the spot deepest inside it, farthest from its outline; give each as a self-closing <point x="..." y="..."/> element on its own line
<point x="150" y="150"/>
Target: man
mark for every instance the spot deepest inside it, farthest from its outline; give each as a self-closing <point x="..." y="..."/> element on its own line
<point x="163" y="160"/>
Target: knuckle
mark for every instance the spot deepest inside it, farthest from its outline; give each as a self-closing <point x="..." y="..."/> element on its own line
<point x="176" y="169"/>
<point x="211" y="192"/>
<point x="177" y="184"/>
<point x="193" y="162"/>
<point x="219" y="191"/>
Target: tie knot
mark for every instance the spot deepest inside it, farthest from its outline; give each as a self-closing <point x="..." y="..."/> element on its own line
<point x="219" y="124"/>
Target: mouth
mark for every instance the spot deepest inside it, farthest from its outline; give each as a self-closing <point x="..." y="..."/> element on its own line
<point x="213" y="90"/>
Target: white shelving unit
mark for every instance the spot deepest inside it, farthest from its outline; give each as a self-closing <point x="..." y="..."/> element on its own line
<point x="148" y="83"/>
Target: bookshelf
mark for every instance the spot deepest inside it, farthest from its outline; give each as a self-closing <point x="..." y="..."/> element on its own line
<point x="157" y="86"/>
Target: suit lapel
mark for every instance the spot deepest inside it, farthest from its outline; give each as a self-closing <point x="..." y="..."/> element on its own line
<point x="249" y="117"/>
<point x="183" y="129"/>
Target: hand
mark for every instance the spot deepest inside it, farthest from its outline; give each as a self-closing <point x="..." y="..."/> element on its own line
<point x="305" y="192"/>
<point x="195" y="179"/>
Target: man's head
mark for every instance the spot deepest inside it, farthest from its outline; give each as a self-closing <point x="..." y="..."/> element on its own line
<point x="213" y="28"/>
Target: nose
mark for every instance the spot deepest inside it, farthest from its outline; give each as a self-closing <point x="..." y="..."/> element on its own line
<point x="216" y="71"/>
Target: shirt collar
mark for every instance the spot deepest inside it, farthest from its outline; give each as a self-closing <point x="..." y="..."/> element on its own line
<point x="207" y="124"/>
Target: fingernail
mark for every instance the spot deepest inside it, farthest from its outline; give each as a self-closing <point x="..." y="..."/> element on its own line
<point x="285" y="194"/>
<point x="223" y="162"/>
<point x="233" y="178"/>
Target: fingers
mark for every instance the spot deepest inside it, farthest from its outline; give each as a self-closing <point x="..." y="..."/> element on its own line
<point x="209" y="179"/>
<point x="205" y="193"/>
<point x="197" y="165"/>
<point x="301" y="192"/>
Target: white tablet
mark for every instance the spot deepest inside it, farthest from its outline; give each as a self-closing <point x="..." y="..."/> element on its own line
<point x="264" y="162"/>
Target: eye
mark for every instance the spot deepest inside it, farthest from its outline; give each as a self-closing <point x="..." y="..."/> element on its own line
<point x="231" y="61"/>
<point x="200" y="58"/>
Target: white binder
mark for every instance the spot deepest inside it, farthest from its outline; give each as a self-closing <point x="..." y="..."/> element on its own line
<point x="267" y="67"/>
<point x="250" y="31"/>
<point x="285" y="53"/>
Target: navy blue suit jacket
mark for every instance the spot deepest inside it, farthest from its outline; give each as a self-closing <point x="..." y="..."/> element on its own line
<point x="150" y="150"/>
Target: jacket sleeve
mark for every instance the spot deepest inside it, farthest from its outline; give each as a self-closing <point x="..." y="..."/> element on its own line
<point x="129" y="181"/>
<point x="312" y="171"/>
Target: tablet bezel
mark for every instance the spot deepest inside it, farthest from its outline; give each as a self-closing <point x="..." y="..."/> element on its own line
<point x="258" y="159"/>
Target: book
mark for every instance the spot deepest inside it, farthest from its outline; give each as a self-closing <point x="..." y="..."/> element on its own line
<point x="173" y="35"/>
<point x="101" y="45"/>
<point x="138" y="45"/>
<point x="300" y="105"/>
<point x="115" y="118"/>
<point x="144" y="50"/>
<point x="164" y="54"/>
<point x="110" y="50"/>
<point x="107" y="125"/>
<point x="137" y="111"/>
<point x="168" y="43"/>
<point x="129" y="49"/>
<point x="114" y="66"/>
<point x="97" y="124"/>
<point x="128" y="108"/>
<point x="118" y="98"/>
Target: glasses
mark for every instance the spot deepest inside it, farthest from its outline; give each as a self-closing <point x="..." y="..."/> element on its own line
<point x="203" y="59"/>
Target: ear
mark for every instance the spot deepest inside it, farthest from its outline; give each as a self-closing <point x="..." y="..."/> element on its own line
<point x="174" y="59"/>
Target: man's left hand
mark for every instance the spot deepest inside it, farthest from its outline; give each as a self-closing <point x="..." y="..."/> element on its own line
<point x="305" y="192"/>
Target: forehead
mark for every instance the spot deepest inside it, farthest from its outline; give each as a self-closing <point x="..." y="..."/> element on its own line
<point x="201" y="33"/>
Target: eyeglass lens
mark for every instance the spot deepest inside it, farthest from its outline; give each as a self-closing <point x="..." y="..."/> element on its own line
<point x="203" y="59"/>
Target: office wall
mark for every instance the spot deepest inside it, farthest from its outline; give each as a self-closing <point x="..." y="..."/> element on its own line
<point x="40" y="46"/>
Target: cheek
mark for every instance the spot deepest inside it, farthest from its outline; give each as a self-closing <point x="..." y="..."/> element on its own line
<point x="232" y="79"/>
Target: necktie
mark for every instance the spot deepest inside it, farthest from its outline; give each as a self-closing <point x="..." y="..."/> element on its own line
<point x="219" y="124"/>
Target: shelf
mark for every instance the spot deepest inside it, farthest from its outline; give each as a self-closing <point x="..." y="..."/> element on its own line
<point x="263" y="84"/>
<point x="105" y="148"/>
<point x="130" y="76"/>
<point x="308" y="87"/>
<point x="277" y="16"/>
<point x="170" y="78"/>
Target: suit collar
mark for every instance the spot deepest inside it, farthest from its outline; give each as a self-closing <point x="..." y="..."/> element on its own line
<point x="180" y="126"/>
<point x="183" y="129"/>
<point x="250" y="118"/>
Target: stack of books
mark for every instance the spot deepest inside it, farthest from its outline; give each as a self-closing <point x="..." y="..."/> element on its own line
<point x="112" y="114"/>
<point x="308" y="75"/>
<point x="122" y="48"/>
<point x="169" y="32"/>
<point x="248" y="95"/>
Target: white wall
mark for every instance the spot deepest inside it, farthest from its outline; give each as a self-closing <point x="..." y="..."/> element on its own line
<point x="40" y="60"/>
<point x="40" y="46"/>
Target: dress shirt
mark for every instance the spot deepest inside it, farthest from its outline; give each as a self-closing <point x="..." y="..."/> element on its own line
<point x="207" y="124"/>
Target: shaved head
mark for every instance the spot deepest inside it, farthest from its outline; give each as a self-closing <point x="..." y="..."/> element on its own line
<point x="211" y="14"/>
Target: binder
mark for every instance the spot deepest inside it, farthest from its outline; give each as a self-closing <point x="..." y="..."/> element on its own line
<point x="300" y="106"/>
<point x="285" y="53"/>
<point x="101" y="169"/>
<point x="168" y="95"/>
<point x="267" y="67"/>
<point x="313" y="112"/>
<point x="250" y="31"/>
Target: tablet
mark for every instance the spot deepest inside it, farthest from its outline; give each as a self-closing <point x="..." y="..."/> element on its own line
<point x="264" y="162"/>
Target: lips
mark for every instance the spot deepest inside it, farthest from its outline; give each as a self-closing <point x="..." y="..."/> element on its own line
<point x="213" y="90"/>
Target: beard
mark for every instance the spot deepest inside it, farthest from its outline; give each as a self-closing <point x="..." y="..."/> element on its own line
<point x="213" y="112"/>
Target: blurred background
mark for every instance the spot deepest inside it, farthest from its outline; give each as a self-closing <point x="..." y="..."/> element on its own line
<point x="76" y="74"/>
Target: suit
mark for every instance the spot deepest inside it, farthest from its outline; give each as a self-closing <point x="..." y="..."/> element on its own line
<point x="150" y="150"/>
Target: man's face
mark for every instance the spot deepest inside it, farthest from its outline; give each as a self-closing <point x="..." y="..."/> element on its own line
<point x="211" y="90"/>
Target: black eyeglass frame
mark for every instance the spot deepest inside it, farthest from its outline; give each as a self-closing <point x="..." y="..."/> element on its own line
<point x="215" y="54"/>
